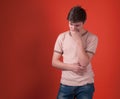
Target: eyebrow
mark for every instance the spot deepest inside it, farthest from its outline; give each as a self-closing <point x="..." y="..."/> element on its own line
<point x="75" y="23"/>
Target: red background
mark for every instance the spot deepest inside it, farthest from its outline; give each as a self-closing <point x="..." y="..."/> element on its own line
<point x="28" y="30"/>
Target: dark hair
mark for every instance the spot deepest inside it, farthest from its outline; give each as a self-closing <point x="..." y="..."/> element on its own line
<point x="77" y="14"/>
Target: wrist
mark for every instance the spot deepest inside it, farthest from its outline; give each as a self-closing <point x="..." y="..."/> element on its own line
<point x="70" y="67"/>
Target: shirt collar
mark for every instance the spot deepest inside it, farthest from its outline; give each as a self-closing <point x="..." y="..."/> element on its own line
<point x="82" y="34"/>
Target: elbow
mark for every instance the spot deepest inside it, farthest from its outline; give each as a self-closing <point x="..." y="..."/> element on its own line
<point x="53" y="63"/>
<point x="85" y="63"/>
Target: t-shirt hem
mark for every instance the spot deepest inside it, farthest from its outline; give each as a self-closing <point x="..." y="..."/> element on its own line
<point x="69" y="83"/>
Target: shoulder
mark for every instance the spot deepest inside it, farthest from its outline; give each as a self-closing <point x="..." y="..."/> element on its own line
<point x="92" y="36"/>
<point x="63" y="35"/>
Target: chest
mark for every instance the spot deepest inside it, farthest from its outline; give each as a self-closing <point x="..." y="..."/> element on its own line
<point x="69" y="45"/>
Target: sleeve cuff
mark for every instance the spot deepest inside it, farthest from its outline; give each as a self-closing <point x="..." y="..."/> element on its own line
<point x="90" y="52"/>
<point x="58" y="52"/>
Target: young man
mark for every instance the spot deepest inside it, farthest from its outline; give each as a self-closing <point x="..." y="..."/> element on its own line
<point x="77" y="47"/>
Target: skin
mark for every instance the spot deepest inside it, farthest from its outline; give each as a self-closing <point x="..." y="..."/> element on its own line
<point x="76" y="30"/>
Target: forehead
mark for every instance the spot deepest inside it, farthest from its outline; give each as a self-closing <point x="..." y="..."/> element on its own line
<point x="75" y="23"/>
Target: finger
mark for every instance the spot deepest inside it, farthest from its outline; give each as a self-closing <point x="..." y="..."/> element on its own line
<point x="77" y="30"/>
<point x="81" y="67"/>
<point x="74" y="31"/>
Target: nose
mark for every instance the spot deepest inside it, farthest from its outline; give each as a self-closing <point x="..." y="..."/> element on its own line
<point x="73" y="27"/>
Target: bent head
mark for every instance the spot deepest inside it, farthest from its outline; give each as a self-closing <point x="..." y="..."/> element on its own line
<point x="76" y="17"/>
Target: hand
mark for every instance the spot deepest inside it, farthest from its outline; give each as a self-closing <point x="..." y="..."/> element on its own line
<point x="76" y="35"/>
<point x="78" y="69"/>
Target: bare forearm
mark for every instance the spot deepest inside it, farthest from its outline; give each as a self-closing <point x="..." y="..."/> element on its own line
<point x="83" y="56"/>
<point x="69" y="67"/>
<point x="60" y="65"/>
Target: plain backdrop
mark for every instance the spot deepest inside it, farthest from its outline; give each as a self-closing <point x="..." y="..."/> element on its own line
<point x="28" y="30"/>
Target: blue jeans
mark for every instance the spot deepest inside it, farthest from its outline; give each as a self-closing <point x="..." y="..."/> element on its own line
<point x="76" y="92"/>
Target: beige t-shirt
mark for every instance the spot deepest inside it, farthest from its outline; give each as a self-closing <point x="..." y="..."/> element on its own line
<point x="66" y="46"/>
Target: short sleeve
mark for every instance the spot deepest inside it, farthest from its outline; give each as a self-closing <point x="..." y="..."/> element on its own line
<point x="59" y="44"/>
<point x="92" y="43"/>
